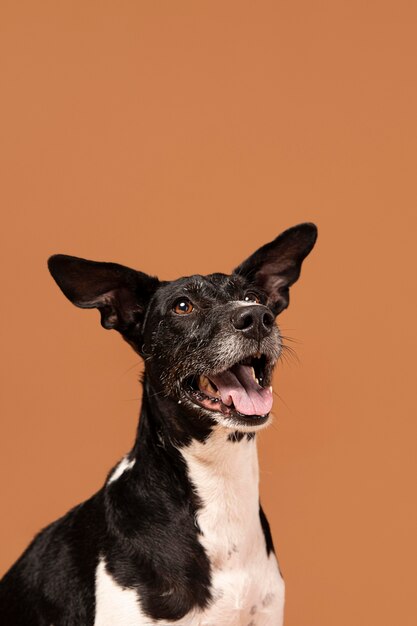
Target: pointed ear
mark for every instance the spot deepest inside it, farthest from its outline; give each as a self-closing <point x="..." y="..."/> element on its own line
<point x="120" y="293"/>
<point x="277" y="265"/>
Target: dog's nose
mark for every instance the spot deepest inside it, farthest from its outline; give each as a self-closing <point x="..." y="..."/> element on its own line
<point x="254" y="321"/>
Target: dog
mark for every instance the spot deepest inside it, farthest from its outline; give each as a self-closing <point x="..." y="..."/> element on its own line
<point x="176" y="535"/>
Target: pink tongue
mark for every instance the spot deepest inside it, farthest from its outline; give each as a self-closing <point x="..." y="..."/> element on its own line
<point x="237" y="385"/>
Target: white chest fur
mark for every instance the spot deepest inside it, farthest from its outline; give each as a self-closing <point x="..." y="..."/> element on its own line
<point x="247" y="588"/>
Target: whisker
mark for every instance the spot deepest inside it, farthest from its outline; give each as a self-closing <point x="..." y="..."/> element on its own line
<point x="129" y="369"/>
<point x="158" y="393"/>
<point x="282" y="400"/>
<point x="292" y="339"/>
<point x="288" y="353"/>
<point x="273" y="425"/>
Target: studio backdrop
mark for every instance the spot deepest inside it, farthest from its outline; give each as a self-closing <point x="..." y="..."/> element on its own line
<point x="176" y="138"/>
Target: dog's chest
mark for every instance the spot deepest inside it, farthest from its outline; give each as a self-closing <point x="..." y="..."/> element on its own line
<point x="246" y="586"/>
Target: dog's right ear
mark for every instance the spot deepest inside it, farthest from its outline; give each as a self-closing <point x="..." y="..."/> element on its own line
<point x="120" y="293"/>
<point x="277" y="265"/>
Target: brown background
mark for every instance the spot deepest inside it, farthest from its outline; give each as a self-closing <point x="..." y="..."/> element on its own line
<point x="176" y="137"/>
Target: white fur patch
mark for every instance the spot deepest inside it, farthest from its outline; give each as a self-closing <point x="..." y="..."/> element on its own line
<point x="247" y="585"/>
<point x="123" y="466"/>
<point x="115" y="605"/>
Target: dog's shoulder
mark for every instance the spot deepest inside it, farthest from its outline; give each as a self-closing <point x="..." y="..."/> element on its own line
<point x="56" y="573"/>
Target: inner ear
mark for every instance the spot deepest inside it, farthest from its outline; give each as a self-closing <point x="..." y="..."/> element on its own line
<point x="277" y="265"/>
<point x="120" y="293"/>
<point x="119" y="309"/>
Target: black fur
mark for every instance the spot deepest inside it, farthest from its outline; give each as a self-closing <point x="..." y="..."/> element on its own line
<point x="143" y="524"/>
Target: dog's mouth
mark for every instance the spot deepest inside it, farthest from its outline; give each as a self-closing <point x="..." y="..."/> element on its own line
<point x="241" y="392"/>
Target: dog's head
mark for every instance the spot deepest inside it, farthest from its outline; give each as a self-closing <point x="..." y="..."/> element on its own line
<point x="209" y="343"/>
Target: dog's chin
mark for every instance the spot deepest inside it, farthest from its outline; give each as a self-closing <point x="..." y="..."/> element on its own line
<point x="229" y="419"/>
<point x="243" y="423"/>
<point x="233" y="421"/>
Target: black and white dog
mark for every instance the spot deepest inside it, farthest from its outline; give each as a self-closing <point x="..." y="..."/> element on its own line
<point x="176" y="535"/>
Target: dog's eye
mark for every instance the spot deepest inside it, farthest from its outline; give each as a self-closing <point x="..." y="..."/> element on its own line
<point x="182" y="306"/>
<point x="252" y="297"/>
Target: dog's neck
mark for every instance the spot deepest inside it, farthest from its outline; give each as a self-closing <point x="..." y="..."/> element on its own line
<point x="224" y="461"/>
<point x="225" y="474"/>
<point x="221" y="464"/>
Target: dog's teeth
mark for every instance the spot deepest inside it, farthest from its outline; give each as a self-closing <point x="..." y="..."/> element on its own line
<point x="205" y="385"/>
<point x="252" y="372"/>
<point x="270" y="389"/>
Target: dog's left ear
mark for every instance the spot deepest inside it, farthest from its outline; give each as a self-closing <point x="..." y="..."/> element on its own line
<point x="120" y="293"/>
<point x="277" y="265"/>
